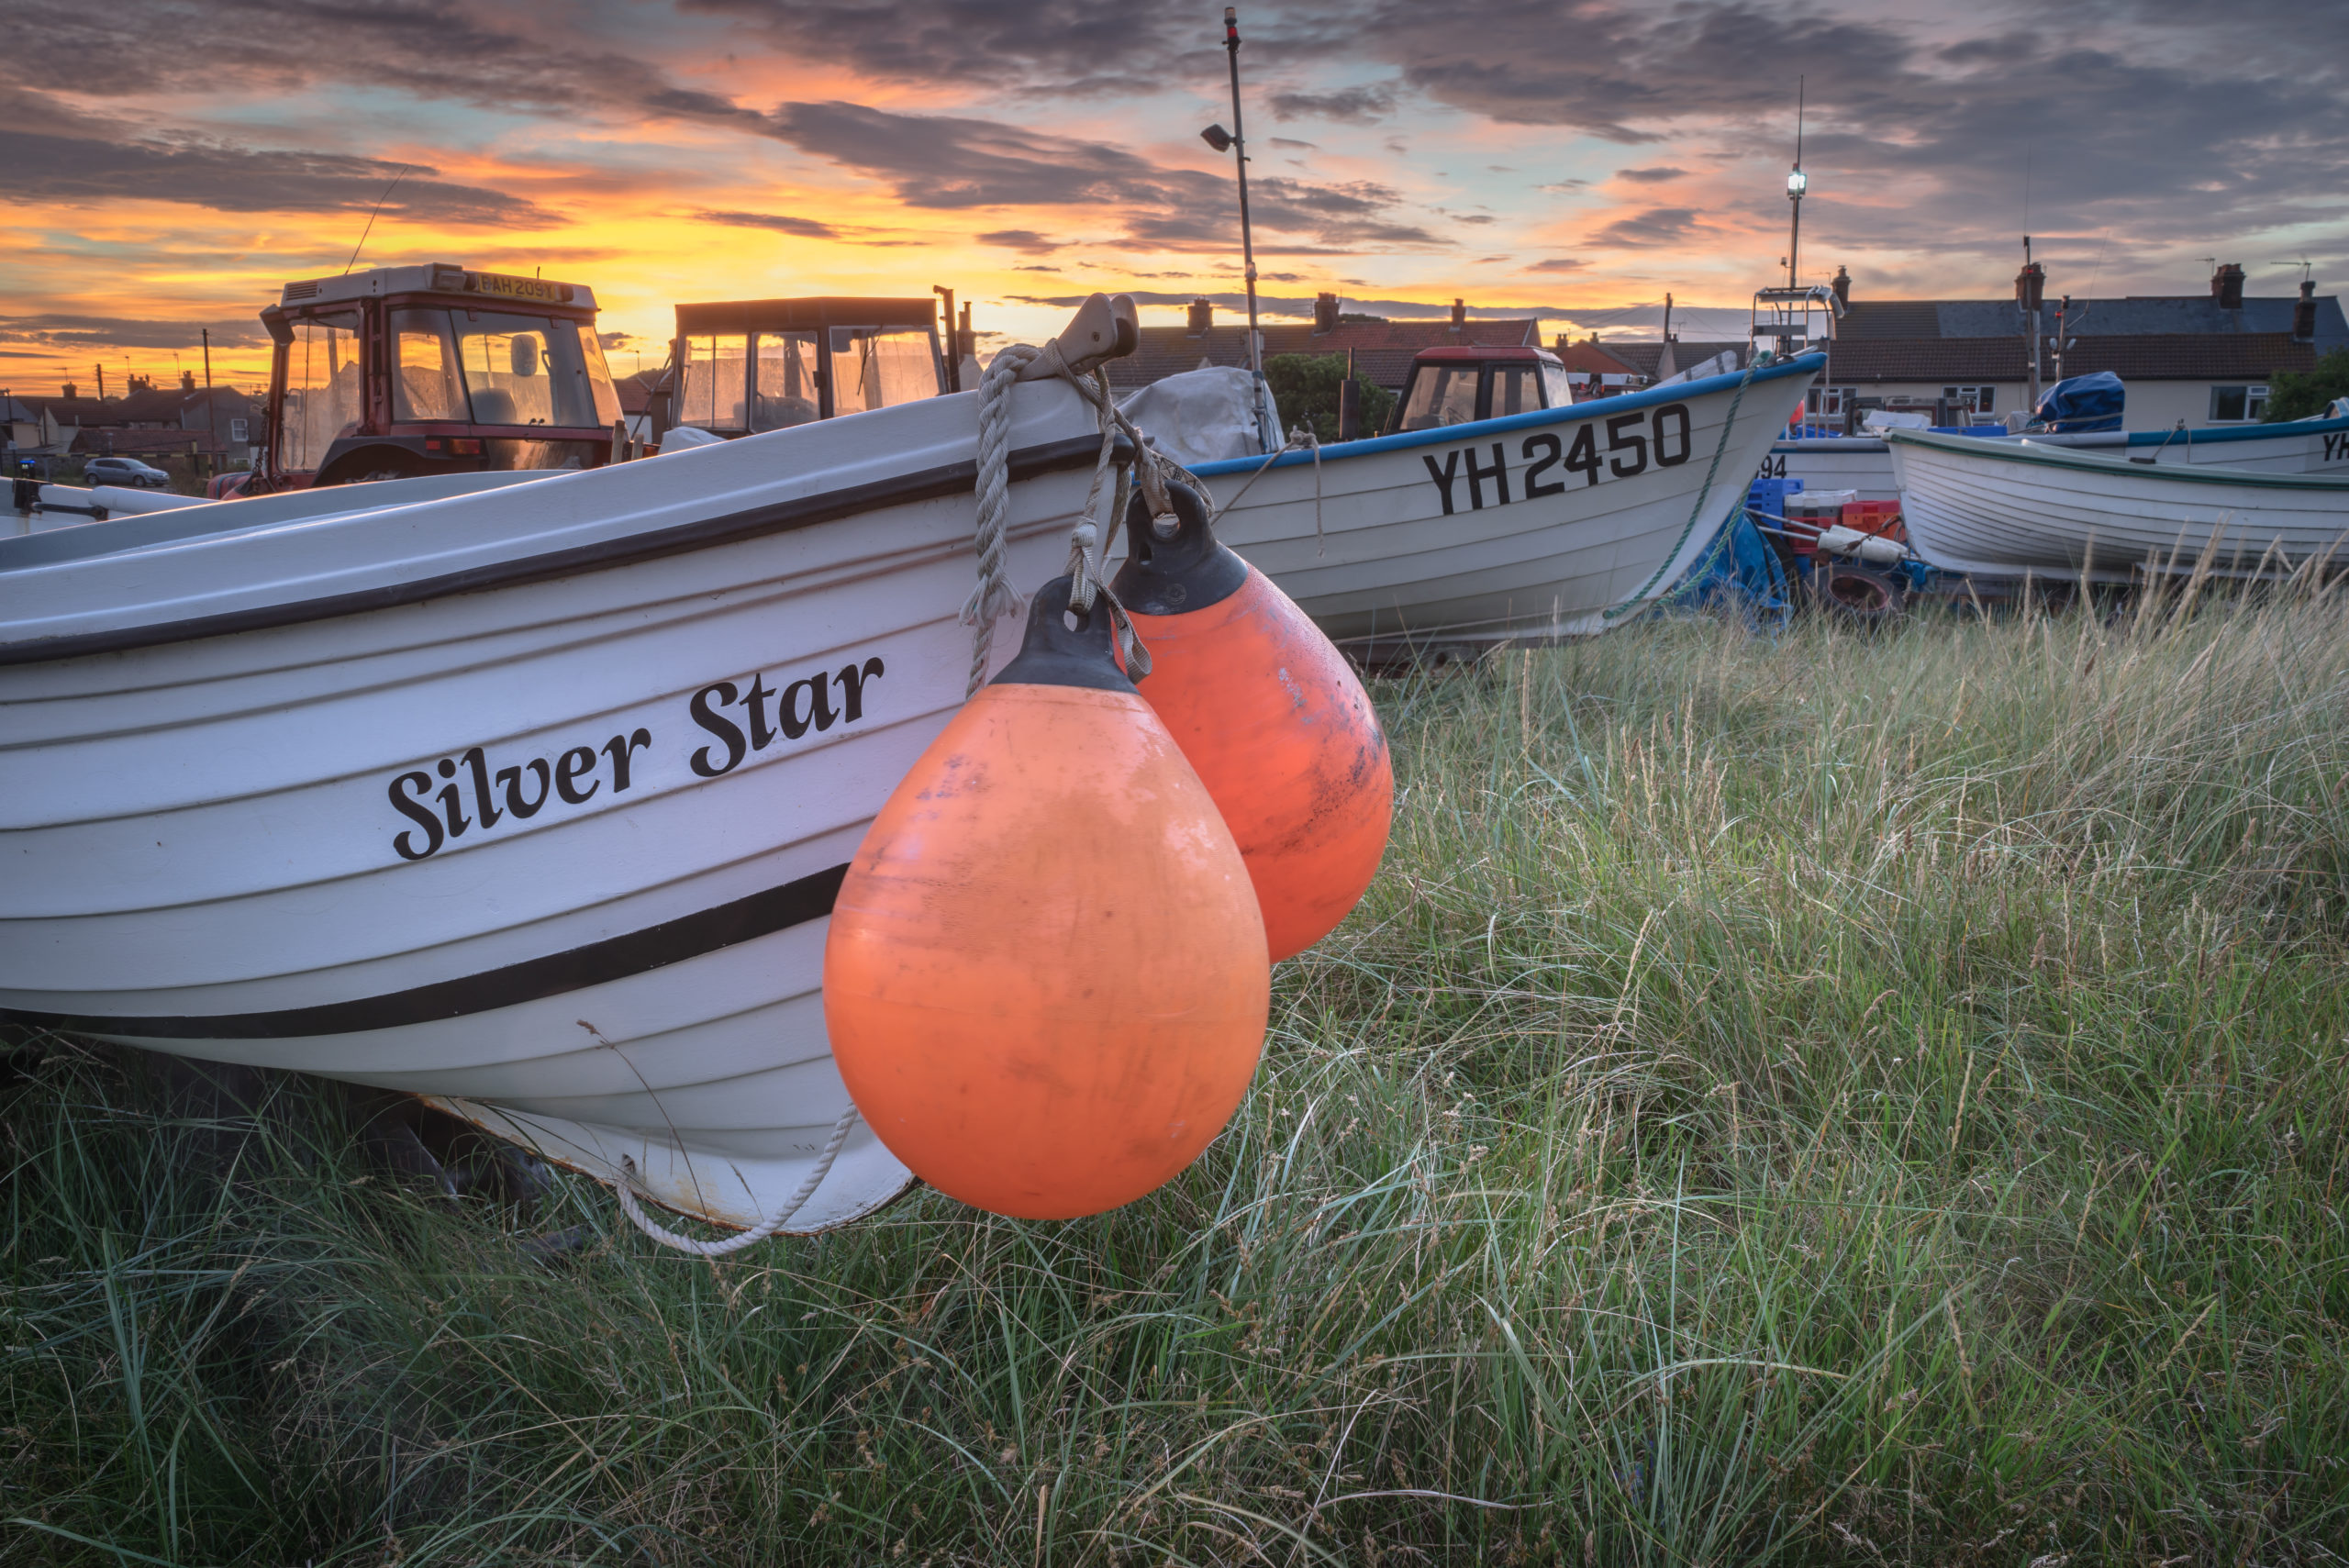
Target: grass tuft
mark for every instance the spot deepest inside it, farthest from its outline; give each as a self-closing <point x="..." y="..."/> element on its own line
<point x="1870" y="1098"/>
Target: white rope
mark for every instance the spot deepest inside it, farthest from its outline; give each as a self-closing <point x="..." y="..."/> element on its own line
<point x="1088" y="543"/>
<point x="626" y="1186"/>
<point x="994" y="598"/>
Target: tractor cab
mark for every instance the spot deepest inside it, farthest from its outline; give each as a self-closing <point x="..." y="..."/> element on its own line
<point x="740" y="367"/>
<point x="1459" y="386"/>
<point x="399" y="371"/>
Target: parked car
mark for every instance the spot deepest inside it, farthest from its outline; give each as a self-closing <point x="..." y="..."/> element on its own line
<point x="126" y="471"/>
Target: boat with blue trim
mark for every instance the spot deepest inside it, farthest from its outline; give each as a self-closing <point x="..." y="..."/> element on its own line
<point x="1536" y="521"/>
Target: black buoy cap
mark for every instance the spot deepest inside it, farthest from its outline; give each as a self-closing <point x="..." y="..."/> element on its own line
<point x="1188" y="572"/>
<point x="1054" y="654"/>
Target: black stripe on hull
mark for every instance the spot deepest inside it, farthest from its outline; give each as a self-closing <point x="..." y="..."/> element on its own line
<point x="948" y="479"/>
<point x="614" y="958"/>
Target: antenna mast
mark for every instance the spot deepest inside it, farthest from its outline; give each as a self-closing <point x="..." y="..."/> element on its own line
<point x="1796" y="183"/>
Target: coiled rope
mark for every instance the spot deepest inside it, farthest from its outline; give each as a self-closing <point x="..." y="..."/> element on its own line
<point x="1694" y="512"/>
<point x="626" y="1186"/>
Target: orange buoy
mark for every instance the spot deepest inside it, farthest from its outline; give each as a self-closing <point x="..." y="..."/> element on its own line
<point x="1269" y="713"/>
<point x="1046" y="981"/>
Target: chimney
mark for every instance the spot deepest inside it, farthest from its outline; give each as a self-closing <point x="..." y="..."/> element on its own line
<point x="1202" y="314"/>
<point x="71" y="390"/>
<point x="1325" y="313"/>
<point x="187" y="381"/>
<point x="2226" y="286"/>
<point x="2031" y="287"/>
<point x="2304" y="313"/>
<point x="1843" y="284"/>
<point x="1459" y="316"/>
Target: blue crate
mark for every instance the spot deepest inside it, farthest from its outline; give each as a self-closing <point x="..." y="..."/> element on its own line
<point x="1770" y="494"/>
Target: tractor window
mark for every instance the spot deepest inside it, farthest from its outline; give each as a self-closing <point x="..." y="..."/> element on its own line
<point x="787" y="385"/>
<point x="527" y="370"/>
<point x="881" y="367"/>
<point x="322" y="394"/>
<point x="596" y="376"/>
<point x="1440" y="396"/>
<point x="427" y="386"/>
<point x="1516" y="389"/>
<point x="1557" y="390"/>
<point x="712" y="391"/>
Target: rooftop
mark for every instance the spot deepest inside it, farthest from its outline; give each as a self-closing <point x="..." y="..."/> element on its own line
<point x="2178" y="356"/>
<point x="1383" y="350"/>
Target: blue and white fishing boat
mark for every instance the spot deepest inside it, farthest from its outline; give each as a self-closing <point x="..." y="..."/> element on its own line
<point x="1560" y="520"/>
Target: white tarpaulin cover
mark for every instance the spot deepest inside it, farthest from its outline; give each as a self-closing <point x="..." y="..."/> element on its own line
<point x="1205" y="415"/>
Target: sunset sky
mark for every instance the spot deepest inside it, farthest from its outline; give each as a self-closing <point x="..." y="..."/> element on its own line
<point x="170" y="165"/>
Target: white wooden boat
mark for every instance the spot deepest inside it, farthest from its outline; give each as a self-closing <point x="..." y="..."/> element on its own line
<point x="2005" y="508"/>
<point x="530" y="800"/>
<point x="1864" y="464"/>
<point x="1559" y="522"/>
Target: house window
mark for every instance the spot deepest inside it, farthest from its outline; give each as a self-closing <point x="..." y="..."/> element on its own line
<point x="2237" y="404"/>
<point x="1971" y="399"/>
<point x="237" y="431"/>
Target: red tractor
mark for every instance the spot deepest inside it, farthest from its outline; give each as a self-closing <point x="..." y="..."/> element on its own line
<point x="398" y="372"/>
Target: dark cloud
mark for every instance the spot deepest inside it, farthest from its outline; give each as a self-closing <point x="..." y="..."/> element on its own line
<point x="1026" y="239"/>
<point x="1657" y="226"/>
<point x="109" y="332"/>
<point x="1300" y="146"/>
<point x="952" y="162"/>
<point x="1560" y="265"/>
<point x="1349" y="105"/>
<point x="805" y="227"/>
<point x="105" y="160"/>
<point x="2159" y="119"/>
<point x="432" y="49"/>
<point x="1652" y="176"/>
<point x="1067" y="47"/>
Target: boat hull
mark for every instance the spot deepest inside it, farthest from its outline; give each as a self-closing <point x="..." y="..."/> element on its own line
<point x="1864" y="464"/>
<point x="2010" y="509"/>
<point x="1488" y="533"/>
<point x="524" y="850"/>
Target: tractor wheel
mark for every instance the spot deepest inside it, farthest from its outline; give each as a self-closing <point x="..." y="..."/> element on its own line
<point x="1859" y="596"/>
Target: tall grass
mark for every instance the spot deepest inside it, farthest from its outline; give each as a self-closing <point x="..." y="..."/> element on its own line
<point x="1829" y="1098"/>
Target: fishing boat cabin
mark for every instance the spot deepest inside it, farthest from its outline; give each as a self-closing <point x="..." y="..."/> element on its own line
<point x="1459" y="385"/>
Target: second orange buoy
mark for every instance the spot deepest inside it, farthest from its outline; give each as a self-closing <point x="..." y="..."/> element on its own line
<point x="1270" y="715"/>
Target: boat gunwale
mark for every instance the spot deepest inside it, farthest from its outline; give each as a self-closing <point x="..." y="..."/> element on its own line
<point x="1533" y="419"/>
<point x="805" y="511"/>
<point x="2079" y="461"/>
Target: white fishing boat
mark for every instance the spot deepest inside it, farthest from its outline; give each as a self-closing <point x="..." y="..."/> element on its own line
<point x="2005" y="508"/>
<point x="1864" y="464"/>
<point x="1554" y="522"/>
<point x="529" y="800"/>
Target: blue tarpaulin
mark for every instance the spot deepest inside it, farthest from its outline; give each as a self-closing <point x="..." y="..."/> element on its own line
<point x="2083" y="402"/>
<point x="1739" y="570"/>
